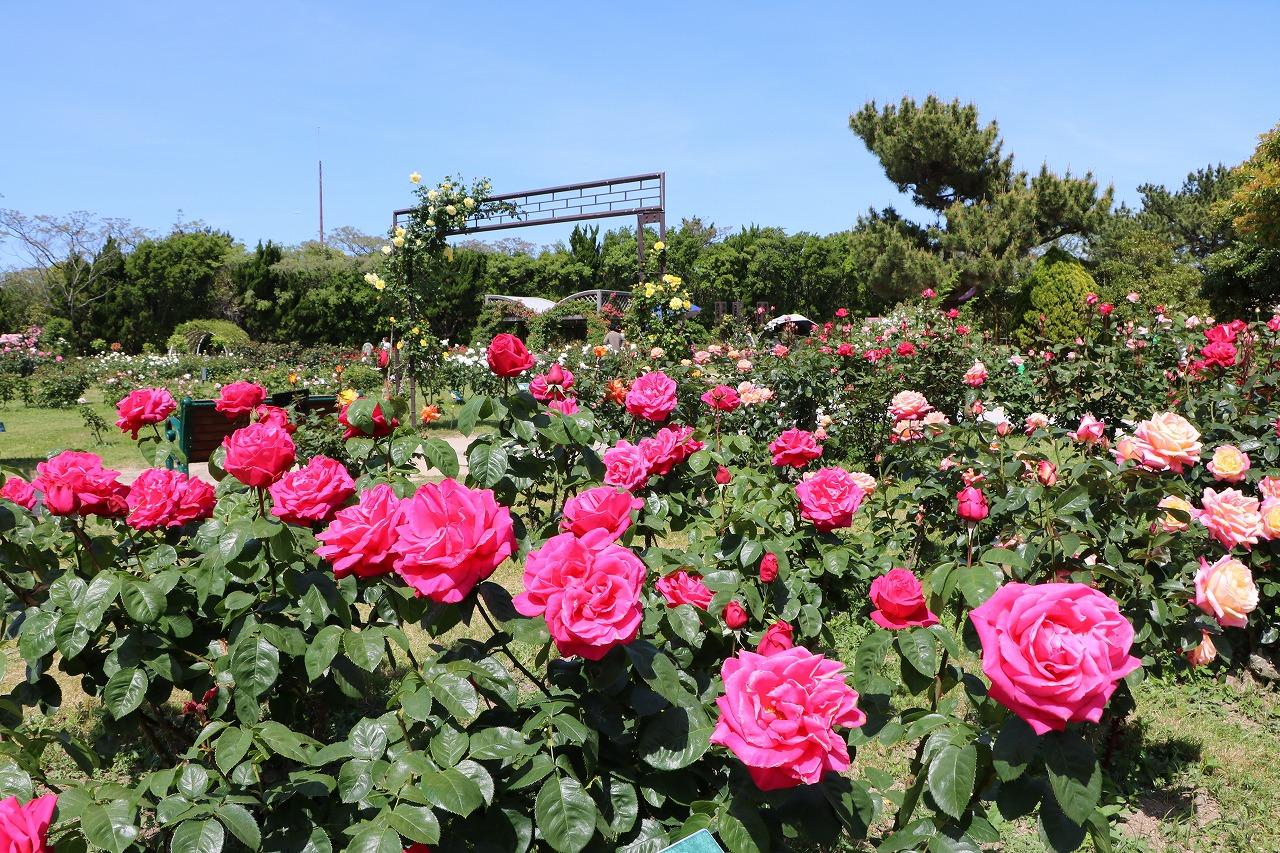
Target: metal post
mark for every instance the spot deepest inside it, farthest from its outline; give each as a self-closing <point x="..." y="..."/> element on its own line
<point x="640" y="245"/>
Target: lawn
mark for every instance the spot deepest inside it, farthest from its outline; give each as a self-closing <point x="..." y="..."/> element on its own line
<point x="30" y="434"/>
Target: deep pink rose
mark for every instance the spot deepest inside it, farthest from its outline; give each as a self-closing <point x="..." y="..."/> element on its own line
<point x="359" y="540"/>
<point x="567" y="406"/>
<point x="19" y="491"/>
<point x="668" y="448"/>
<point x="971" y="504"/>
<point x="680" y="587"/>
<point x="602" y="508"/>
<point x="778" y="637"/>
<point x="240" y="398"/>
<point x="625" y="466"/>
<point x="275" y="416"/>
<point x="450" y="539"/>
<point x="144" y="407"/>
<point x="899" y="602"/>
<point x="652" y="396"/>
<point x="1053" y="652"/>
<point x="163" y="498"/>
<point x="778" y="716"/>
<point x="555" y="384"/>
<point x="312" y="493"/>
<point x="508" y="356"/>
<point x="587" y="589"/>
<point x="24" y="828"/>
<point x="258" y="454"/>
<point x="769" y="568"/>
<point x="795" y="447"/>
<point x="829" y="497"/>
<point x="75" y="483"/>
<point x="722" y="398"/>
<point x="734" y="615"/>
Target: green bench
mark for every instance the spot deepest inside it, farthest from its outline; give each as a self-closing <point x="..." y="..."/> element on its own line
<point x="197" y="428"/>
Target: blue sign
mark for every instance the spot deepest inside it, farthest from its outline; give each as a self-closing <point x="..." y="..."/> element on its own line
<point x="700" y="842"/>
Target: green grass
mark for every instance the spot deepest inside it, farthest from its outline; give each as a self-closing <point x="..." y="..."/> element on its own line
<point x="31" y="435"/>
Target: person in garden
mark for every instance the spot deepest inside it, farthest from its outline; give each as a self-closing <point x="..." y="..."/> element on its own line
<point x="613" y="339"/>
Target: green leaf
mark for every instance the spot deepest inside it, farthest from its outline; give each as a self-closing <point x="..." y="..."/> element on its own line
<point x="15" y="782"/>
<point x="1074" y="775"/>
<point x="498" y="743"/>
<point x="355" y="780"/>
<point x="365" y="648"/>
<point x="469" y="414"/>
<point x="36" y="639"/>
<point x="919" y="647"/>
<point x="455" y="693"/>
<point x="143" y="600"/>
<point x="743" y="830"/>
<point x="417" y="823"/>
<point x="1015" y="748"/>
<point x="566" y="814"/>
<point x="375" y="838"/>
<point x="1058" y="832"/>
<point x="486" y="464"/>
<point x="255" y="665"/>
<point x="232" y="746"/>
<point x="442" y="456"/>
<point x="102" y="591"/>
<point x="676" y="738"/>
<point x="124" y="691"/>
<point x="951" y="777"/>
<point x="197" y="836"/>
<point x="977" y="583"/>
<point x="109" y="827"/>
<point x="452" y="791"/>
<point x="193" y="781"/>
<point x="323" y="649"/>
<point x="237" y="818"/>
<point x="448" y="746"/>
<point x="71" y="635"/>
<point x="368" y="739"/>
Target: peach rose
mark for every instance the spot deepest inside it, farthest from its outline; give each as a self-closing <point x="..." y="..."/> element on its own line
<point x="1203" y="654"/>
<point x="1226" y="592"/>
<point x="1230" y="517"/>
<point x="1269" y="487"/>
<point x="1168" y="442"/>
<point x="863" y="481"/>
<point x="1229" y="463"/>
<point x="909" y="406"/>
<point x="1169" y="522"/>
<point x="1271" y="518"/>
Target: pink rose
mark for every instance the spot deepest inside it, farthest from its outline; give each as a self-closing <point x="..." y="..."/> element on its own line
<point x="778" y="637"/>
<point x="1053" y="652"/>
<point x="1090" y="431"/>
<point x="1231" y="517"/>
<point x="555" y="384"/>
<point x="899" y="602"/>
<point x="778" y="716"/>
<point x="258" y="454"/>
<point x="567" y="406"/>
<point x="794" y="447"/>
<point x="734" y="616"/>
<point x="19" y="491"/>
<point x="275" y="416"/>
<point x="163" y="498"/>
<point x="1229" y="463"/>
<point x="680" y="587"/>
<point x="450" y="539"/>
<point x="668" y="448"/>
<point x="239" y="398"/>
<point x="864" y="481"/>
<point x="144" y="407"/>
<point x="829" y="497"/>
<point x="25" y="828"/>
<point x="1035" y="421"/>
<point x="971" y="504"/>
<point x="1169" y="522"/>
<point x="508" y="356"/>
<point x="1269" y="487"/>
<point x="75" y="483"/>
<point x="976" y="375"/>
<point x="602" y="508"/>
<point x="1225" y="590"/>
<point x="1204" y="653"/>
<point x="360" y="538"/>
<point x="909" y="406"/>
<point x="313" y="493"/>
<point x="652" y="396"/>
<point x="625" y="466"/>
<point x="1167" y="442"/>
<point x="768" y="568"/>
<point x="722" y="398"/>
<point x="588" y="590"/>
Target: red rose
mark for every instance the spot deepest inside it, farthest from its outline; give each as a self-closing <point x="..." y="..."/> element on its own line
<point x="508" y="356"/>
<point x="162" y="498"/>
<point x="777" y="638"/>
<point x="144" y="407"/>
<point x="275" y="416"/>
<point x="555" y="384"/>
<point x="971" y="504"/>
<point x="381" y="427"/>
<point x="239" y="398"/>
<point x="312" y="493"/>
<point x="258" y="454"/>
<point x="769" y="568"/>
<point x="899" y="602"/>
<point x="723" y="476"/>
<point x="795" y="447"/>
<point x="734" y="616"/>
<point x="75" y="483"/>
<point x="1105" y="309"/>
<point x="906" y="348"/>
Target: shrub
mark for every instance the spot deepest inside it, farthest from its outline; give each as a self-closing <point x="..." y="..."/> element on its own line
<point x="56" y="386"/>
<point x="196" y="336"/>
<point x="551" y="330"/>
<point x="1055" y="292"/>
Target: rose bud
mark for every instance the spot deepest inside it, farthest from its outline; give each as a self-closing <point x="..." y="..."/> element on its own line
<point x="769" y="568"/>
<point x="1046" y="473"/>
<point x="971" y="504"/>
<point x="555" y="374"/>
<point x="1204" y="653"/>
<point x="723" y="476"/>
<point x="777" y="638"/>
<point x="734" y="616"/>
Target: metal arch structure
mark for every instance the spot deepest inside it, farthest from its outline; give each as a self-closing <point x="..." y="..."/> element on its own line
<point x="641" y="196"/>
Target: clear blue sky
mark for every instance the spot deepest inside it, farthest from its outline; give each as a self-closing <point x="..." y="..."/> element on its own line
<point x="138" y="110"/>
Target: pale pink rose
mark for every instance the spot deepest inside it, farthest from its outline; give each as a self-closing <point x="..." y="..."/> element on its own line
<point x="1168" y="443"/>
<point x="1170" y="523"/>
<point x="359" y="540"/>
<point x="625" y="466"/>
<point x="795" y="448"/>
<point x="1229" y="463"/>
<point x="680" y="587"/>
<point x="1035" y="421"/>
<point x="1090" y="431"/>
<point x="863" y="481"/>
<point x="587" y="589"/>
<point x="701" y="357"/>
<point x="1231" y="517"/>
<point x="744" y="365"/>
<point x="778" y="716"/>
<point x="602" y="508"/>
<point x="907" y="430"/>
<point x="1269" y="487"/>
<point x="450" y="538"/>
<point x="1053" y="652"/>
<point x="828" y="498"/>
<point x="1127" y="450"/>
<point x="652" y="396"/>
<point x="1225" y="591"/>
<point x="976" y="375"/>
<point x="1133" y="297"/>
<point x="909" y="406"/>
<point x="1270" y="519"/>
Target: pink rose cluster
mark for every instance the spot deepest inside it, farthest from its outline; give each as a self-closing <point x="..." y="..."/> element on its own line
<point x="911" y="413"/>
<point x="75" y="483"/>
<point x="779" y="714"/>
<point x="630" y="466"/>
<point x="162" y="498"/>
<point x="828" y="498"/>
<point x="681" y="587"/>
<point x="1053" y="652"/>
<point x="442" y="541"/>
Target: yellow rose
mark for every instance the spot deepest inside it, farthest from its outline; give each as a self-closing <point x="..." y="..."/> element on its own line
<point x="386" y="250"/>
<point x="422" y="342"/>
<point x="433" y="195"/>
<point x="1229" y="463"/>
<point x="431" y="223"/>
<point x="1168" y="522"/>
<point x="400" y="232"/>
<point x="687" y="304"/>
<point x="347" y="396"/>
<point x="400" y="344"/>
<point x="398" y="241"/>
<point x="1271" y="519"/>
<point x="450" y="209"/>
<point x="648" y="290"/>
<point x="468" y="202"/>
<point x="675" y="303"/>
<point x="659" y="246"/>
<point x="414" y="177"/>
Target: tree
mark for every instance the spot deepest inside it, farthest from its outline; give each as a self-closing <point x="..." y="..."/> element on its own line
<point x="1254" y="205"/>
<point x="257" y="283"/>
<point x="1055" y="295"/>
<point x="353" y="241"/>
<point x="67" y="253"/>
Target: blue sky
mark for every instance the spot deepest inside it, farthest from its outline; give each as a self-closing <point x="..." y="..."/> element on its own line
<point x="138" y="110"/>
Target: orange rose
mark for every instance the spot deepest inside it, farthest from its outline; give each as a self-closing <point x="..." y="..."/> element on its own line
<point x="430" y="414"/>
<point x="1203" y="653"/>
